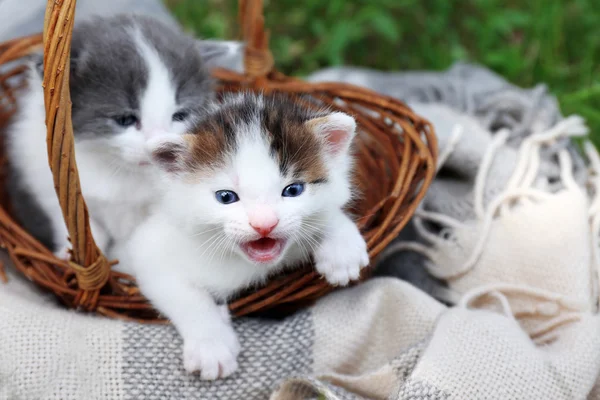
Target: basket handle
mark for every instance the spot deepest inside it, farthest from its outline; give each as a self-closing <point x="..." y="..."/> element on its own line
<point x="91" y="267"/>
<point x="258" y="59"/>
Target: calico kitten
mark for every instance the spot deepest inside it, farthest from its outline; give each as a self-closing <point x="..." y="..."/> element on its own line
<point x="257" y="187"/>
<point x="132" y="79"/>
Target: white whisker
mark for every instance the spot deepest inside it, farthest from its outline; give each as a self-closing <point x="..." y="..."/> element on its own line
<point x="207" y="243"/>
<point x="206" y="231"/>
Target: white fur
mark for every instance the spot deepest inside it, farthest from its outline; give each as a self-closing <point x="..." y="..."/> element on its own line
<point x="117" y="189"/>
<point x="343" y="252"/>
<point x="159" y="100"/>
<point x="189" y="247"/>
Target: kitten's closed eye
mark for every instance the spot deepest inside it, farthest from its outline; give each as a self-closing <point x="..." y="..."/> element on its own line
<point x="180" y="116"/>
<point x="126" y="120"/>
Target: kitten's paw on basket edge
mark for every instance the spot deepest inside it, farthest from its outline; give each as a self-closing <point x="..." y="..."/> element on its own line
<point x="342" y="254"/>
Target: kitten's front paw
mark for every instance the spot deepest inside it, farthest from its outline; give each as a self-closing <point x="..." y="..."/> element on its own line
<point x="341" y="258"/>
<point x="214" y="355"/>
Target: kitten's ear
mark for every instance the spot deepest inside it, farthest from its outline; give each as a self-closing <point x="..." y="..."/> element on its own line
<point x="220" y="53"/>
<point x="169" y="152"/>
<point x="336" y="129"/>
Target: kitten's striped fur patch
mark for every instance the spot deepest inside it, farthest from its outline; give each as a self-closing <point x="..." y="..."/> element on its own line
<point x="279" y="120"/>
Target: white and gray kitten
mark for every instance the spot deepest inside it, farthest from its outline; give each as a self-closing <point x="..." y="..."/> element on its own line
<point x="132" y="79"/>
<point x="257" y="186"/>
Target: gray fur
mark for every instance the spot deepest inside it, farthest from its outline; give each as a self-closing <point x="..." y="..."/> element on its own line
<point x="108" y="75"/>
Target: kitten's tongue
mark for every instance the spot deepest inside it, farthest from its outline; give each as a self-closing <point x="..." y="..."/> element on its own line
<point x="263" y="250"/>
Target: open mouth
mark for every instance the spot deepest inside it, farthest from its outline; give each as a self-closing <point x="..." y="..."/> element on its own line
<point x="263" y="250"/>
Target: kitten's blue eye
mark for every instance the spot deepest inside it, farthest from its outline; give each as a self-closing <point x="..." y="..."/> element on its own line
<point x="293" y="190"/>
<point x="180" y="116"/>
<point x="226" y="196"/>
<point x="126" y="120"/>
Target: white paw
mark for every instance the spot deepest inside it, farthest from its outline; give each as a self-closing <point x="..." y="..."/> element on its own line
<point x="63" y="253"/>
<point x="214" y="355"/>
<point x="341" y="258"/>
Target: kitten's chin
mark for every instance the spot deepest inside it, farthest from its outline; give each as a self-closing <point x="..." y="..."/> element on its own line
<point x="264" y="251"/>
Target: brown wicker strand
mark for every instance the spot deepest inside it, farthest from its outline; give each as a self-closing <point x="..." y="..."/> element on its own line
<point x="258" y="60"/>
<point x="93" y="277"/>
<point x="3" y="276"/>
<point x="90" y="266"/>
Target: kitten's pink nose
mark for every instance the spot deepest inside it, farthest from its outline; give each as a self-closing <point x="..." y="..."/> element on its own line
<point x="264" y="230"/>
<point x="263" y="220"/>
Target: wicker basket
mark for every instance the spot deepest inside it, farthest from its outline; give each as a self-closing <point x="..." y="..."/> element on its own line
<point x="396" y="163"/>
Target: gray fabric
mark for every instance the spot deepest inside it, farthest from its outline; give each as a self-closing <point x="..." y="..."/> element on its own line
<point x="421" y="391"/>
<point x="152" y="367"/>
<point x="467" y="88"/>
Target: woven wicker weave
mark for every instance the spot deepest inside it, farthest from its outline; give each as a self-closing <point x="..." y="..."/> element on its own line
<point x="396" y="163"/>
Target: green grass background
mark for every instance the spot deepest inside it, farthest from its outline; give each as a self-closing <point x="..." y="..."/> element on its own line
<point x="527" y="41"/>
